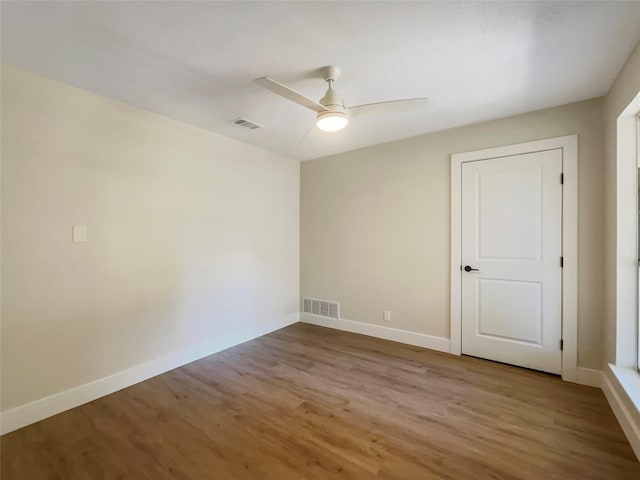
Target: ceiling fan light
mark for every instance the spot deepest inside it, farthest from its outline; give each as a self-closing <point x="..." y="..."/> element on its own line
<point x="332" y="121"/>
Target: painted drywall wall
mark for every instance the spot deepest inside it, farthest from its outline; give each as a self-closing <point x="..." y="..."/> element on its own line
<point x="622" y="92"/>
<point x="191" y="236"/>
<point x="375" y="223"/>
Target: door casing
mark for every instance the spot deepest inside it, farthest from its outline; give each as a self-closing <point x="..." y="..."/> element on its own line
<point x="569" y="146"/>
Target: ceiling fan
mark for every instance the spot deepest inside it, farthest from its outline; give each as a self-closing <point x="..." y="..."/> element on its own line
<point x="333" y="115"/>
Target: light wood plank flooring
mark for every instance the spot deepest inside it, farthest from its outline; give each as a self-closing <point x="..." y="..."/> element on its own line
<point x="312" y="403"/>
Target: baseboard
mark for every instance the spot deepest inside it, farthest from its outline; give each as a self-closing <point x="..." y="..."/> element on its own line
<point x="628" y="420"/>
<point x="588" y="376"/>
<point x="29" y="413"/>
<point x="403" y="336"/>
<point x="35" y="411"/>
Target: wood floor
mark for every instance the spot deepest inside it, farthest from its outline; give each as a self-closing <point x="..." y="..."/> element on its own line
<point x="312" y="403"/>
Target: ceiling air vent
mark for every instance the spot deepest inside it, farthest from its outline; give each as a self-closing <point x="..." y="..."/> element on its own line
<point x="324" y="308"/>
<point x="243" y="122"/>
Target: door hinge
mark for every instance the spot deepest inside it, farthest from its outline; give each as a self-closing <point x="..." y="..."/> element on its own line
<point x="561" y="345"/>
<point x="562" y="178"/>
<point x="460" y="267"/>
<point x="561" y="262"/>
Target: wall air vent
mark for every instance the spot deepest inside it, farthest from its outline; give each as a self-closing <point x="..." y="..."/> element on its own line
<point x="324" y="308"/>
<point x="243" y="122"/>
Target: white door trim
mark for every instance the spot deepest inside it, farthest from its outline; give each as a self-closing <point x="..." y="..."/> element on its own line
<point x="569" y="146"/>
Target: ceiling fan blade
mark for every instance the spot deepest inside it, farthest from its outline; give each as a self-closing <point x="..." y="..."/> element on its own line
<point x="389" y="106"/>
<point x="307" y="134"/>
<point x="289" y="94"/>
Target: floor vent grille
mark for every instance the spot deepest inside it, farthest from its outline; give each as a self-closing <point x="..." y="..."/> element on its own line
<point x="324" y="308"/>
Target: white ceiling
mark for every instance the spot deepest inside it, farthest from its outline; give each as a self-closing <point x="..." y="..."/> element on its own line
<point x="195" y="61"/>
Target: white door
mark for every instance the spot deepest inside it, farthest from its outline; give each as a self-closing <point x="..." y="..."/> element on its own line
<point x="512" y="235"/>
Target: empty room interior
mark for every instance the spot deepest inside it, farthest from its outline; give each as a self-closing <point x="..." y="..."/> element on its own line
<point x="319" y="240"/>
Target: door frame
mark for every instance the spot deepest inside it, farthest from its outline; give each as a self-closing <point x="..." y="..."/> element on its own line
<point x="569" y="146"/>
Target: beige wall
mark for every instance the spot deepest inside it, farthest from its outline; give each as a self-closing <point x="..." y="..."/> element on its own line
<point x="375" y="222"/>
<point x="191" y="236"/>
<point x="622" y="92"/>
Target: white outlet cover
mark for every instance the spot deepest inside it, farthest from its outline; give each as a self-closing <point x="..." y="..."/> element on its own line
<point x="387" y="316"/>
<point x="79" y="233"/>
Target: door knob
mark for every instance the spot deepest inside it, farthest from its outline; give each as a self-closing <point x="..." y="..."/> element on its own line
<point x="469" y="269"/>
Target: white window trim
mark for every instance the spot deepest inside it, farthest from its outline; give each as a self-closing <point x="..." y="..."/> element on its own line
<point x="626" y="288"/>
<point x="621" y="382"/>
<point x="569" y="146"/>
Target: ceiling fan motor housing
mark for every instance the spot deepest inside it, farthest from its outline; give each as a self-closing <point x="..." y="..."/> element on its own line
<point x="335" y="118"/>
<point x="332" y="101"/>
